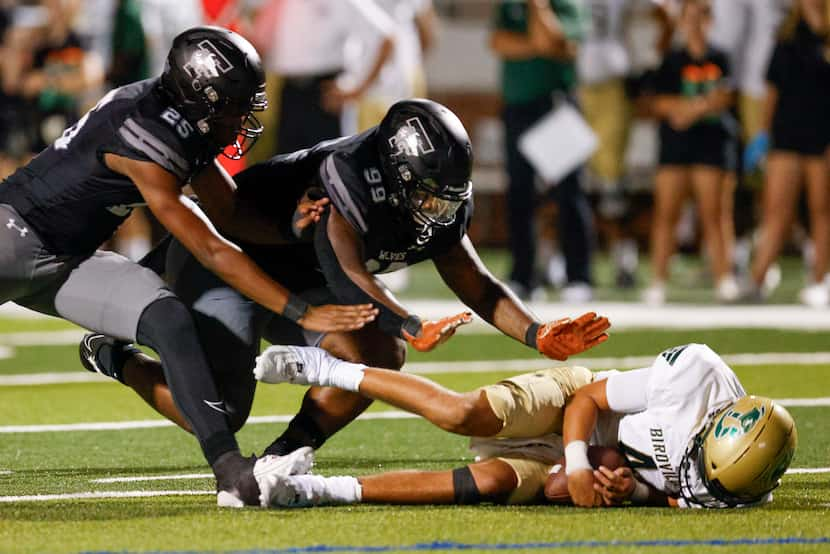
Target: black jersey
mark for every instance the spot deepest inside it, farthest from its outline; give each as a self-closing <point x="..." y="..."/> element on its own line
<point x="71" y="198"/>
<point x="349" y="171"/>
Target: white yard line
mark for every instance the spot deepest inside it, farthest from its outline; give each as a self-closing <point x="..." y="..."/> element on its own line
<point x="623" y="315"/>
<point x="190" y="476"/>
<point x="153" y="478"/>
<point x="100" y="494"/>
<point x="391" y="414"/>
<point x="425" y="368"/>
<point x="154" y="423"/>
<point x="42" y="338"/>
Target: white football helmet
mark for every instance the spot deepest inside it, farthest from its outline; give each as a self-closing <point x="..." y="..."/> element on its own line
<point x="741" y="453"/>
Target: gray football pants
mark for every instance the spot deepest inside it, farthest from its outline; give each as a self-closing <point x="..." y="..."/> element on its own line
<point x="104" y="292"/>
<point x="231" y="326"/>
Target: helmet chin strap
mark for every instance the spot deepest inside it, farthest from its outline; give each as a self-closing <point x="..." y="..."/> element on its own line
<point x="424" y="235"/>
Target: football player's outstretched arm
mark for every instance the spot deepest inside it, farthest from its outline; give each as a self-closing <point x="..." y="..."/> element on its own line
<point x="340" y="250"/>
<point x="464" y="272"/>
<point x="180" y="216"/>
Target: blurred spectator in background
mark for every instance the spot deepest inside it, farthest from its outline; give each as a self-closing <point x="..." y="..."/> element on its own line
<point x="130" y="56"/>
<point x="304" y="42"/>
<point x="694" y="93"/>
<point x="745" y="30"/>
<point x="162" y="21"/>
<point x="602" y="64"/>
<point x="130" y="62"/>
<point x="402" y="76"/>
<point x="8" y="103"/>
<point x="797" y="129"/>
<point x="52" y="76"/>
<point x="537" y="42"/>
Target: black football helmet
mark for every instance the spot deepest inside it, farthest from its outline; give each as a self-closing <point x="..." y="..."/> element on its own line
<point x="427" y="158"/>
<point x="215" y="78"/>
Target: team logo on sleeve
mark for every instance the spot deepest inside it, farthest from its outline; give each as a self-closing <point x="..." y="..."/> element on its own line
<point x="412" y="139"/>
<point x="672" y="354"/>
<point x="734" y="423"/>
<point x="205" y="63"/>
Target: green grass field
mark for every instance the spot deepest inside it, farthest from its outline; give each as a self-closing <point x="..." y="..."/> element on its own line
<point x="67" y="462"/>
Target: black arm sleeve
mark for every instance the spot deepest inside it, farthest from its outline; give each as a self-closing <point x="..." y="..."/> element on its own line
<point x="346" y="290"/>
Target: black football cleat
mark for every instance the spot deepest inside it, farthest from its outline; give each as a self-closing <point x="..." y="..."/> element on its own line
<point x="236" y="486"/>
<point x="105" y="355"/>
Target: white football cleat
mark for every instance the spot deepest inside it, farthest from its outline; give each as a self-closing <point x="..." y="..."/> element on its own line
<point x="269" y="470"/>
<point x="280" y="364"/>
<point x="300" y="365"/>
<point x="282" y="492"/>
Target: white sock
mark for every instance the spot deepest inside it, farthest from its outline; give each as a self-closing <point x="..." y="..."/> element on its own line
<point x="334" y="372"/>
<point x="346" y="375"/>
<point x="314" y="490"/>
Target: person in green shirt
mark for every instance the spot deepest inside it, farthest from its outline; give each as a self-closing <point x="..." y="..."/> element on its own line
<point x="537" y="42"/>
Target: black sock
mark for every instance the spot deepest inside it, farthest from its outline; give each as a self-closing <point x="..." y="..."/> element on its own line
<point x="167" y="327"/>
<point x="302" y="431"/>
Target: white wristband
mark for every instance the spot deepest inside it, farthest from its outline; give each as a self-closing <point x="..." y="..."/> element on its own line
<point x="576" y="457"/>
<point x="640" y="494"/>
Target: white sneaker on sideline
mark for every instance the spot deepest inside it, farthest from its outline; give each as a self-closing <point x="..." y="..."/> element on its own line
<point x="577" y="293"/>
<point x="654" y="294"/>
<point x="727" y="289"/>
<point x="815" y="295"/>
<point x="772" y="279"/>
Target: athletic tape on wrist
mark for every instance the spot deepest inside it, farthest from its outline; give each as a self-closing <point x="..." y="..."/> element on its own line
<point x="295" y="308"/>
<point x="412" y="325"/>
<point x="530" y="335"/>
<point x="576" y="457"/>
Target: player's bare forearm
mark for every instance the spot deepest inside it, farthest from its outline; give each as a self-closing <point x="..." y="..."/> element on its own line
<point x="348" y="249"/>
<point x="582" y="411"/>
<point x="465" y="274"/>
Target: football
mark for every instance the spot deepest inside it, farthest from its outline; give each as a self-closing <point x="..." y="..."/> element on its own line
<point x="556" y="487"/>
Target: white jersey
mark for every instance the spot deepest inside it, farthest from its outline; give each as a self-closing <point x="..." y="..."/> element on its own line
<point x="683" y="388"/>
<point x="602" y="53"/>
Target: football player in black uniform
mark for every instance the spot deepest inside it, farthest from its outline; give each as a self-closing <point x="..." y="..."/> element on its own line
<point x="141" y="144"/>
<point x="399" y="193"/>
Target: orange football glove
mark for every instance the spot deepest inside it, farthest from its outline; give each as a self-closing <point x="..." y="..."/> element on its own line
<point x="434" y="333"/>
<point x="565" y="337"/>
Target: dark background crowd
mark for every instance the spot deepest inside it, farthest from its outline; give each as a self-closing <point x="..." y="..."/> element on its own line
<point x="711" y="117"/>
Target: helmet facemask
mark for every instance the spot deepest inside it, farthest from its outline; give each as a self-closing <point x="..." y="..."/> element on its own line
<point x="429" y="203"/>
<point x="245" y="134"/>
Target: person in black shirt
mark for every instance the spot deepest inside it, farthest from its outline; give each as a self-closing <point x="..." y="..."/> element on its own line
<point x="397" y="194"/>
<point x="696" y="146"/>
<point x="798" y="124"/>
<point x="141" y="145"/>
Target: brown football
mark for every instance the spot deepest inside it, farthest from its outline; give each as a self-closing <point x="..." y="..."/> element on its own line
<point x="556" y="487"/>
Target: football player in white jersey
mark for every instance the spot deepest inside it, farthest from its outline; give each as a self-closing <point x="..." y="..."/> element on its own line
<point x="690" y="434"/>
